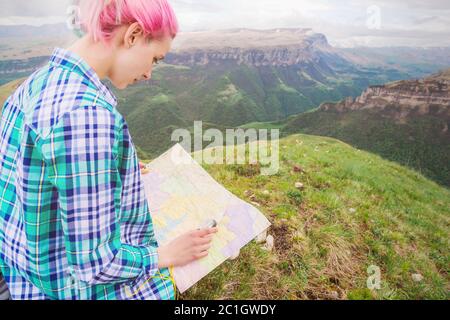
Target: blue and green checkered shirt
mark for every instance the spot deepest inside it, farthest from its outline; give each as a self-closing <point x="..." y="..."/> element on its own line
<point x="74" y="219"/>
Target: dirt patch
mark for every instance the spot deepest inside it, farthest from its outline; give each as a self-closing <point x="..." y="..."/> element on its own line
<point x="248" y="170"/>
<point x="283" y="238"/>
<point x="320" y="185"/>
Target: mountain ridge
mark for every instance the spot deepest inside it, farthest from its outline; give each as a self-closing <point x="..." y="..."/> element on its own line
<point x="430" y="95"/>
<point x="404" y="121"/>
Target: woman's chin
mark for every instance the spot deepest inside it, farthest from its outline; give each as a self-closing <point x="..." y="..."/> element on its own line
<point x="121" y="86"/>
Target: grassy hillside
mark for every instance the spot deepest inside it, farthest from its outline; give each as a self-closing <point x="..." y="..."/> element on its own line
<point x="227" y="95"/>
<point x="356" y="210"/>
<point x="7" y="89"/>
<point x="11" y="70"/>
<point x="420" y="142"/>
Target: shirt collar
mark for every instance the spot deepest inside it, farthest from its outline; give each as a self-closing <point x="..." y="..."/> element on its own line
<point x="68" y="59"/>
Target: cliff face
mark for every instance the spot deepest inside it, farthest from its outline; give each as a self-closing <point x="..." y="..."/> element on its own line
<point x="402" y="98"/>
<point x="282" y="47"/>
<point x="254" y="57"/>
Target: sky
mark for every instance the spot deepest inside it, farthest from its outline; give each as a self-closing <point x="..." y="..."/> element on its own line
<point x="346" y="23"/>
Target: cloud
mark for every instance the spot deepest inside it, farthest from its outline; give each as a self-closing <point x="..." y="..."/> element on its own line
<point x="364" y="22"/>
<point x="32" y="21"/>
<point x="33" y="8"/>
<point x="402" y="22"/>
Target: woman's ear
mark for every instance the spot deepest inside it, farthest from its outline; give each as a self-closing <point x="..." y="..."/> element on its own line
<point x="133" y="33"/>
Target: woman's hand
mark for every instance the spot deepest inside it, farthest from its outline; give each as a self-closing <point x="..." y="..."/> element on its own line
<point x="189" y="247"/>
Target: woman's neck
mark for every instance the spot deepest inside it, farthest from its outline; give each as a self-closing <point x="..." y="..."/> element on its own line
<point x="98" y="55"/>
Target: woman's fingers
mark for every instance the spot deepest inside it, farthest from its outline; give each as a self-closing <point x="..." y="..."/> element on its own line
<point x="143" y="168"/>
<point x="205" y="232"/>
<point x="203" y="248"/>
<point x="203" y="241"/>
<point x="201" y="255"/>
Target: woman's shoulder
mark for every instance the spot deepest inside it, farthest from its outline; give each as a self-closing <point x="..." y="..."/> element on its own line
<point x="52" y="92"/>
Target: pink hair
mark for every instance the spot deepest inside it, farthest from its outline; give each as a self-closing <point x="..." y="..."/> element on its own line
<point x="101" y="17"/>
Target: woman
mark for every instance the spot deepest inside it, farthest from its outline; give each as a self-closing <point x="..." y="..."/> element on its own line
<point x="74" y="220"/>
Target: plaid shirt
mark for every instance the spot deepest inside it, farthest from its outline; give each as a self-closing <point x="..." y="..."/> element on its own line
<point x="74" y="219"/>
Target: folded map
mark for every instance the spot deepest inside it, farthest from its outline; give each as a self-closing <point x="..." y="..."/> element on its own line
<point x="182" y="197"/>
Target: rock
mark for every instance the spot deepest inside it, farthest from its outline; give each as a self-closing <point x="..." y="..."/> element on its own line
<point x="269" y="243"/>
<point x="352" y="210"/>
<point x="334" y="295"/>
<point x="266" y="192"/>
<point x="298" y="169"/>
<point x="255" y="204"/>
<point x="417" y="277"/>
<point x="261" y="238"/>
<point x="299" y="185"/>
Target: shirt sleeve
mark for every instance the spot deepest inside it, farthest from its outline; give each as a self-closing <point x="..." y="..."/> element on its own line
<point x="83" y="166"/>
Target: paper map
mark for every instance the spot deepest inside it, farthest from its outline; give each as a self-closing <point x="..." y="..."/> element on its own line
<point x="182" y="197"/>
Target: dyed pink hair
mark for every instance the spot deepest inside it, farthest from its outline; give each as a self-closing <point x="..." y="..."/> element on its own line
<point x="101" y="17"/>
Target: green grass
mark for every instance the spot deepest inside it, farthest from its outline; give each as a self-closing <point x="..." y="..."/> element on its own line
<point x="263" y="125"/>
<point x="7" y="89"/>
<point x="420" y="142"/>
<point x="356" y="210"/>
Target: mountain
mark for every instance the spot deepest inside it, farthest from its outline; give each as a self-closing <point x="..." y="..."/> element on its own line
<point x="232" y="77"/>
<point x="404" y="121"/>
<point x="354" y="210"/>
<point x="402" y="99"/>
<point x="278" y="47"/>
<point x="228" y="78"/>
<point x="27" y="31"/>
<point x="14" y="69"/>
<point x="28" y="42"/>
<point x="416" y="61"/>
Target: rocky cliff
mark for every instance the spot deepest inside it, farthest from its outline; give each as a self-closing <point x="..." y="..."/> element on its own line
<point x="430" y="95"/>
<point x="278" y="47"/>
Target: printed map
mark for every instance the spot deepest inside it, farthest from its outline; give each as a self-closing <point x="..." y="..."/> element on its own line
<point x="182" y="197"/>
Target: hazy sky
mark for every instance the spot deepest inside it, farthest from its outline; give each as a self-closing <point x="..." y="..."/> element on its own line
<point x="344" y="22"/>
